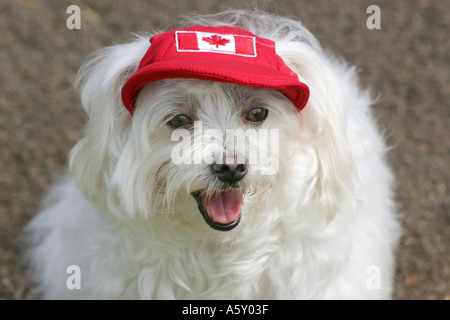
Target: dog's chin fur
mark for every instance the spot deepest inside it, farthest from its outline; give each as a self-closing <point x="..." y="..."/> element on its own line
<point x="126" y="215"/>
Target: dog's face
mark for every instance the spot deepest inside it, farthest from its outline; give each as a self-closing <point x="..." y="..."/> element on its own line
<point x="209" y="147"/>
<point x="207" y="156"/>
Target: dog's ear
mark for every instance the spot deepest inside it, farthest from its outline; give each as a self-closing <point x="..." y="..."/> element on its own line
<point x="99" y="83"/>
<point x="324" y="122"/>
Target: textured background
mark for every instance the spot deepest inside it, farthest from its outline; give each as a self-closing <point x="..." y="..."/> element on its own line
<point x="406" y="62"/>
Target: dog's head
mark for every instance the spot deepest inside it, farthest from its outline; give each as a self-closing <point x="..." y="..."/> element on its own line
<point x="199" y="147"/>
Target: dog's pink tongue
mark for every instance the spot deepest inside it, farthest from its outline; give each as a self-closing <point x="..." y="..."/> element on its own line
<point x="224" y="207"/>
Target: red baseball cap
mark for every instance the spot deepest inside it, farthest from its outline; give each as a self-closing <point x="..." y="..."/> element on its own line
<point x="225" y="54"/>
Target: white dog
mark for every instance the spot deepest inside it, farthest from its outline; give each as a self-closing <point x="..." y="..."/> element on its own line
<point x="159" y="205"/>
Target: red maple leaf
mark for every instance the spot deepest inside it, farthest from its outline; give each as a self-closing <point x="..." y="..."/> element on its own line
<point x="216" y="40"/>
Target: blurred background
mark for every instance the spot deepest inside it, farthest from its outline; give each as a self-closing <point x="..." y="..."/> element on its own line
<point x="406" y="63"/>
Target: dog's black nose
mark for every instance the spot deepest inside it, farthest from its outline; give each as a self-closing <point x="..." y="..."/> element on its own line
<point x="230" y="173"/>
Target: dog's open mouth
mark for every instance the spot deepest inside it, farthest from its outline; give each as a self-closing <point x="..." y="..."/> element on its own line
<point x="221" y="211"/>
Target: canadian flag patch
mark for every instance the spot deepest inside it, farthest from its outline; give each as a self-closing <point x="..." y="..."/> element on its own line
<point x="197" y="41"/>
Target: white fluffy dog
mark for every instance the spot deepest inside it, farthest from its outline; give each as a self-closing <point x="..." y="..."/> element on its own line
<point x="317" y="221"/>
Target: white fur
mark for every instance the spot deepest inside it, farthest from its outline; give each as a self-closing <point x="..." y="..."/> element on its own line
<point x="125" y="215"/>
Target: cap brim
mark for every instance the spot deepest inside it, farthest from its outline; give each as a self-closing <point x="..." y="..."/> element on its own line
<point x="242" y="74"/>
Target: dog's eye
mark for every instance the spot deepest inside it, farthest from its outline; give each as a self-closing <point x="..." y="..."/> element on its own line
<point x="179" y="121"/>
<point x="257" y="115"/>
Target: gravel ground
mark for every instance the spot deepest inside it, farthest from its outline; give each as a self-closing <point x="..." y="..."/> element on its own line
<point x="406" y="62"/>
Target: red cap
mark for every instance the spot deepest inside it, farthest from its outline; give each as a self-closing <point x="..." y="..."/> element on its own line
<point x="225" y="54"/>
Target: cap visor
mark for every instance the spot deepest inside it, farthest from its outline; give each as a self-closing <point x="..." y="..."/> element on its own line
<point x="233" y="72"/>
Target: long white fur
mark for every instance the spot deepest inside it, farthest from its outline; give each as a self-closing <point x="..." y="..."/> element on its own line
<point x="125" y="215"/>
